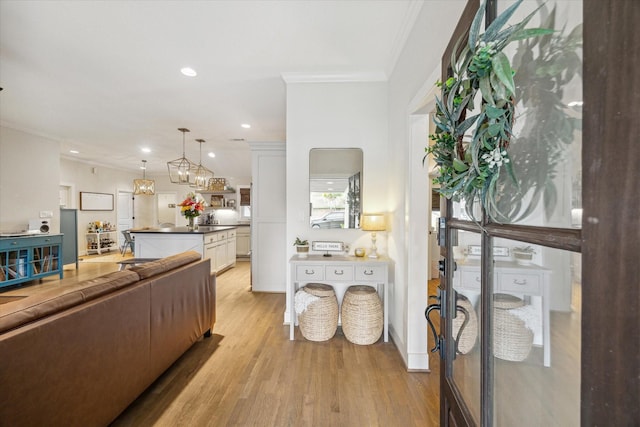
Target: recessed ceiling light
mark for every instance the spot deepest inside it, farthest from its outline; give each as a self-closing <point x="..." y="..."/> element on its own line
<point x="246" y="125"/>
<point x="145" y="149"/>
<point x="74" y="151"/>
<point x="329" y="182"/>
<point x="188" y="71"/>
<point x="212" y="154"/>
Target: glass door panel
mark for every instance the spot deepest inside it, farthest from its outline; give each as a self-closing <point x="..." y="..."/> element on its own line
<point x="466" y="330"/>
<point x="536" y="337"/>
<point x="545" y="150"/>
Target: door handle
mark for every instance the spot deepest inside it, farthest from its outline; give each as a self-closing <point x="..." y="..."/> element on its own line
<point x="439" y="338"/>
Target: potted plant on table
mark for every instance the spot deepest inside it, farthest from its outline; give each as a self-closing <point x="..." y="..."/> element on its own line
<point x="523" y="254"/>
<point x="302" y="246"/>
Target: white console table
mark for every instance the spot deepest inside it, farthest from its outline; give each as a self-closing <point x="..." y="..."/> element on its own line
<point x="340" y="272"/>
<point x="514" y="279"/>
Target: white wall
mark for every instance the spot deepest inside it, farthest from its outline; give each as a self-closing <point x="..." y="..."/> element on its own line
<point x="28" y="179"/>
<point x="335" y="115"/>
<point x="410" y="90"/>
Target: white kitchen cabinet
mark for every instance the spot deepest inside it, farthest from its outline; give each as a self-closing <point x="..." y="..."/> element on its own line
<point x="220" y="248"/>
<point x="210" y="252"/>
<point x="268" y="217"/>
<point x="210" y="243"/>
<point x="243" y="241"/>
<point x="231" y="248"/>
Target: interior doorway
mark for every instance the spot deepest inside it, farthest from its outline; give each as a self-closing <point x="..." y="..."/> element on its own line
<point x="66" y="199"/>
<point x="125" y="213"/>
<point x="166" y="208"/>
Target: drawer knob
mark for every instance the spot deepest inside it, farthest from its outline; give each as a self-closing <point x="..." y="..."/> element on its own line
<point x="338" y="273"/>
<point x="518" y="282"/>
<point x="368" y="272"/>
<point x="309" y="272"/>
<point x="478" y="279"/>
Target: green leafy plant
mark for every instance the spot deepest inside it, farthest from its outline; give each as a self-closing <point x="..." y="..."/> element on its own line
<point x="300" y="242"/>
<point x="470" y="166"/>
<point x="524" y="249"/>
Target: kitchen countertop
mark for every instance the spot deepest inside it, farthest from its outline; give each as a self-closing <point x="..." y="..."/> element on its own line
<point x="202" y="229"/>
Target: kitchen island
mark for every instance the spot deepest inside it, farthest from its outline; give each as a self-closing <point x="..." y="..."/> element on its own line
<point x="216" y="242"/>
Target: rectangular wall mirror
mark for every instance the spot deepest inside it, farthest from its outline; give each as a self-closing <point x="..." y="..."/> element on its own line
<point x="335" y="186"/>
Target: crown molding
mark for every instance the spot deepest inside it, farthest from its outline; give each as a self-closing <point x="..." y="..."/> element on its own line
<point x="354" y="77"/>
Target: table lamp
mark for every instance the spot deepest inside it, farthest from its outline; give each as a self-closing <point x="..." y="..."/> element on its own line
<point x="373" y="222"/>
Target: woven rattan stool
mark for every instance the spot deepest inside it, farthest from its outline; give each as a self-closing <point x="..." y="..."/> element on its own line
<point x="466" y="339"/>
<point x="512" y="340"/>
<point x="319" y="321"/>
<point x="362" y="315"/>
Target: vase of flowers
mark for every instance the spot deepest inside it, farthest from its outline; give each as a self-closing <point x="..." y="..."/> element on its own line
<point x="191" y="207"/>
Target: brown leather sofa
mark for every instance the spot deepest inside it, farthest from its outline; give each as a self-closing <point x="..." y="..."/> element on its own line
<point x="78" y="355"/>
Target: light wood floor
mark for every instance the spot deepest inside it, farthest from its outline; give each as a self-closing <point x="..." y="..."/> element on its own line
<point x="249" y="373"/>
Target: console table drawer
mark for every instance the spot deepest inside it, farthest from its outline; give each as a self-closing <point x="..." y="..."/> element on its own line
<point x="470" y="280"/>
<point x="338" y="272"/>
<point x="519" y="283"/>
<point x="371" y="273"/>
<point x="305" y="273"/>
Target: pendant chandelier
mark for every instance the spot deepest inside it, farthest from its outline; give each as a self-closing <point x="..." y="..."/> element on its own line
<point x="181" y="170"/>
<point x="144" y="186"/>
<point x="201" y="175"/>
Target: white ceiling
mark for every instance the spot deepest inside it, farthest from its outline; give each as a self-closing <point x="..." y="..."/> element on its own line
<point x="103" y="77"/>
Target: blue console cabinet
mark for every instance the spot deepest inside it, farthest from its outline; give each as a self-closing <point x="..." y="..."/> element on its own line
<point x="28" y="258"/>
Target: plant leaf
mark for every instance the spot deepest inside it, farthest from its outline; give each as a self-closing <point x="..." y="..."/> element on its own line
<point x="474" y="30"/>
<point x="461" y="107"/>
<point x="485" y="90"/>
<point x="500" y="91"/>
<point x="493" y="112"/>
<point x="498" y="23"/>
<point x="502" y="69"/>
<point x="530" y="32"/>
<point x="459" y="165"/>
<point x="494" y="129"/>
<point x="465" y="125"/>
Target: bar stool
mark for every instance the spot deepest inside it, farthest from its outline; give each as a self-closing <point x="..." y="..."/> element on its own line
<point x="128" y="242"/>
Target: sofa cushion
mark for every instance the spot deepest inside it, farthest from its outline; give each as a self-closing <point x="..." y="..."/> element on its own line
<point x="61" y="298"/>
<point x="159" y="266"/>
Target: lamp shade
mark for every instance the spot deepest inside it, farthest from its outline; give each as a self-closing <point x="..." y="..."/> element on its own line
<point x="144" y="186"/>
<point x="373" y="222"/>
